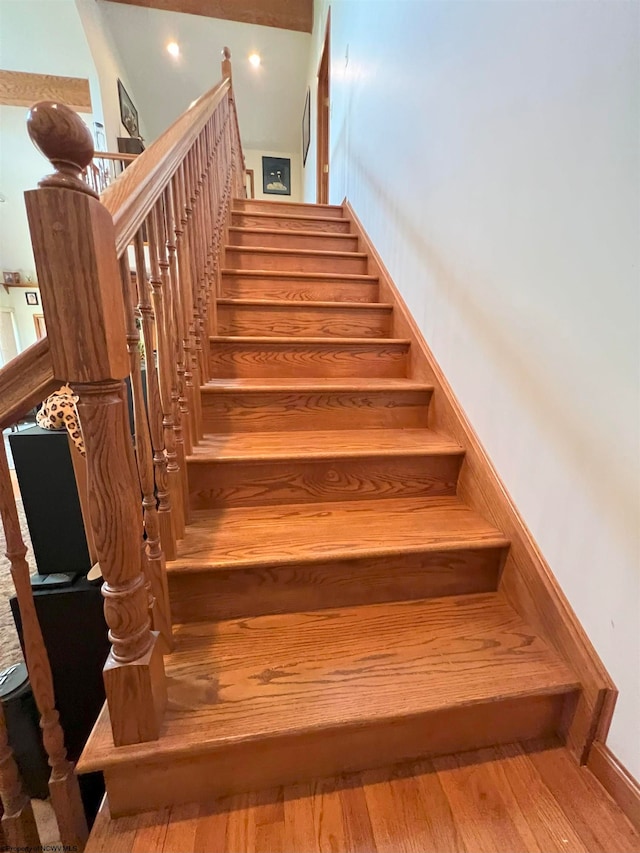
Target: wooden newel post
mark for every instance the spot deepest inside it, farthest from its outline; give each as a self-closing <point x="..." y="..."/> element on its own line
<point x="226" y="65"/>
<point x="74" y="246"/>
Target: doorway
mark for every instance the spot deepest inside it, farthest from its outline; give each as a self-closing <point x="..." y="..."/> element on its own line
<point x="8" y="337"/>
<point x="41" y="329"/>
<point x="322" y="191"/>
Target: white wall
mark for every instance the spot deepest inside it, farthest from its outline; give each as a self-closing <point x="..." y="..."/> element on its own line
<point x="253" y="160"/>
<point x="43" y="37"/>
<point x="16" y="301"/>
<point x="109" y="68"/>
<point x="269" y="99"/>
<point x="492" y="152"/>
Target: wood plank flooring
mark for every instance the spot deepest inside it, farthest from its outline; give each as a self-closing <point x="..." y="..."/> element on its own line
<point x="529" y="798"/>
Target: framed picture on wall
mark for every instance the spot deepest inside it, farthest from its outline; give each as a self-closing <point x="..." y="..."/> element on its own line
<point x="128" y="113"/>
<point x="276" y="176"/>
<point x="32" y="297"/>
<point x="306" y="127"/>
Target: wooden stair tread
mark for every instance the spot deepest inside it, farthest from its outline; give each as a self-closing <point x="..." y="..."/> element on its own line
<point x="298" y="305"/>
<point x="254" y="205"/>
<point x="313" y="341"/>
<point x="322" y="444"/>
<point x="301" y="383"/>
<point x="314" y="276"/>
<point x="248" y="229"/>
<point x="269" y="250"/>
<point x="289" y="533"/>
<point x="268" y="676"/>
<point x="280" y="214"/>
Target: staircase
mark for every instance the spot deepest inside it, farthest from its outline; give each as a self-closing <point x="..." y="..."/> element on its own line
<point x="335" y="600"/>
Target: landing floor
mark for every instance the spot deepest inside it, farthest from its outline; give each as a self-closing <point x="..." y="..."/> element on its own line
<point x="501" y="800"/>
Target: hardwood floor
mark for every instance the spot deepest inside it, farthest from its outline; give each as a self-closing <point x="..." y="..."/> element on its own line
<point x="512" y="799"/>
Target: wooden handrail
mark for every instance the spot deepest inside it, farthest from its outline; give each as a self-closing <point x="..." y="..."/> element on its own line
<point x="129" y="199"/>
<point x="115" y="155"/>
<point x="25" y="381"/>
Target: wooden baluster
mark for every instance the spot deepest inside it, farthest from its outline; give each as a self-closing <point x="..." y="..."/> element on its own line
<point x="178" y="398"/>
<point x="216" y="202"/>
<point x="191" y="239"/>
<point x="160" y="294"/>
<point x="154" y="407"/>
<point x="210" y="228"/>
<point x="155" y="561"/>
<point x="226" y="64"/>
<point x="74" y="246"/>
<point x="210" y="295"/>
<point x="185" y="290"/>
<point x="18" y="825"/>
<point x="152" y="604"/>
<point x="63" y="783"/>
<point x="215" y="195"/>
<point x="202" y="238"/>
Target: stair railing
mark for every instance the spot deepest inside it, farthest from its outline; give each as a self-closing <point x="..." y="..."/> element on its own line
<point x="128" y="275"/>
<point x="105" y="167"/>
<point x="24" y="382"/>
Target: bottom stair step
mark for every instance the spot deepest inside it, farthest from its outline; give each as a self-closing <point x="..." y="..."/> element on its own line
<point x="272" y="700"/>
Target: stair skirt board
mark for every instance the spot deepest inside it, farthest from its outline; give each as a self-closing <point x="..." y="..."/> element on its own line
<point x="527" y="581"/>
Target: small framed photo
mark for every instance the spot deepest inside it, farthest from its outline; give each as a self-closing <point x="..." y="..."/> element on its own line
<point x="32" y="297"/>
<point x="306" y="127"/>
<point x="128" y="113"/>
<point x="11" y="277"/>
<point x="276" y="176"/>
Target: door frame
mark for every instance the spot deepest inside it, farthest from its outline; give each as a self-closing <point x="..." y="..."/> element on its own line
<point x="323" y="112"/>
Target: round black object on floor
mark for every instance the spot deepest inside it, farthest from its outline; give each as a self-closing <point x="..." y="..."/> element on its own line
<point x="23" y="730"/>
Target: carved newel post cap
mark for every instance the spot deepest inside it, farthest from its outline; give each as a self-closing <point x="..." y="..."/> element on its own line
<point x="226" y="53"/>
<point x="59" y="133"/>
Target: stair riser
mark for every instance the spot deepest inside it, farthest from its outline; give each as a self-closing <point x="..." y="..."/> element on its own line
<point x="327" y="226"/>
<point x="281" y="360"/>
<point x="252" y="205"/>
<point x="259" y="411"/>
<point x="149" y="785"/>
<point x="310" y="322"/>
<point x="282" y="240"/>
<point x="219" y="484"/>
<point x="242" y="593"/>
<point x="305" y="290"/>
<point x="248" y="259"/>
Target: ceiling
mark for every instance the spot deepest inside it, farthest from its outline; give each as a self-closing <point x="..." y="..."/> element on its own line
<point x="288" y="14"/>
<point x="270" y="99"/>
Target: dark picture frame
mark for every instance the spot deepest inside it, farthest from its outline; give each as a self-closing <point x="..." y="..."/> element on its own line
<point x="306" y="127"/>
<point x="128" y="113"/>
<point x="276" y="176"/>
<point x="32" y="297"/>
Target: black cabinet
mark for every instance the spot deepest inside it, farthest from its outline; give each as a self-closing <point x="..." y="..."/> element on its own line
<point x="50" y="497"/>
<point x="75" y="636"/>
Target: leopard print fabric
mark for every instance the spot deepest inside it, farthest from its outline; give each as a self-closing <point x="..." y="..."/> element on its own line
<point x="59" y="412"/>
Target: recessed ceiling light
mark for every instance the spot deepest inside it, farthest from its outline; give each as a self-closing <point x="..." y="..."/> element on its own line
<point x="173" y="48"/>
<point x="254" y="59"/>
